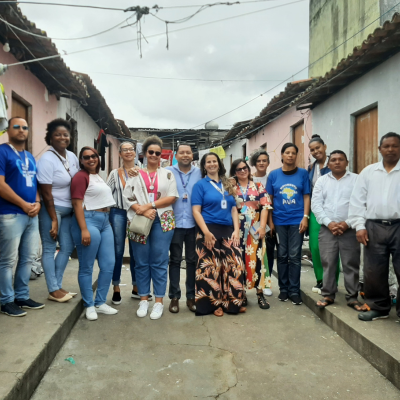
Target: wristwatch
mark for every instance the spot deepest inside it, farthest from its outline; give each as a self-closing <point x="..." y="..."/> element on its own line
<point x="307" y="216"/>
<point x="153" y="205"/>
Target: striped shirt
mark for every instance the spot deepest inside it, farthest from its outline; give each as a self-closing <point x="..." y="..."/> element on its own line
<point x="117" y="189"/>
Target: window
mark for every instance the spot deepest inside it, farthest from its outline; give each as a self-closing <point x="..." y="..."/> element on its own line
<point x="365" y="139"/>
<point x="264" y="146"/>
<point x="244" y="151"/>
<point x="298" y="140"/>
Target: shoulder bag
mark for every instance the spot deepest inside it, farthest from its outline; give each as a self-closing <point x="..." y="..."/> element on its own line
<point x="140" y="224"/>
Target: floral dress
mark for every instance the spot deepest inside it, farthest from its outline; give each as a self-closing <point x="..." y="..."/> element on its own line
<point x="253" y="251"/>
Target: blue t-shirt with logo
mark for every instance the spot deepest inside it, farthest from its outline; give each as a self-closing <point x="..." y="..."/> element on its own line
<point x="205" y="195"/>
<point x="288" y="192"/>
<point x="18" y="177"/>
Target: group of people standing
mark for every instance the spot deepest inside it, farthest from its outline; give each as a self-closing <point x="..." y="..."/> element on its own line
<point x="229" y="226"/>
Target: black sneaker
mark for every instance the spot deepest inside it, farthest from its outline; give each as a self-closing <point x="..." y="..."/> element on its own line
<point x="116" y="299"/>
<point x="12" y="310"/>
<point x="136" y="296"/>
<point x="30" y="304"/>
<point x="283" y="296"/>
<point x="296" y="299"/>
<point x="317" y="288"/>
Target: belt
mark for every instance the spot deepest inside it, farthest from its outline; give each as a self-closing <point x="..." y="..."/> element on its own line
<point x="387" y="222"/>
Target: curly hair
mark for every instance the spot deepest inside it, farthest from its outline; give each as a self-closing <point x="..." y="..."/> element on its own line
<point x="53" y="125"/>
<point x="221" y="173"/>
<point x="151" y="140"/>
<point x="256" y="154"/>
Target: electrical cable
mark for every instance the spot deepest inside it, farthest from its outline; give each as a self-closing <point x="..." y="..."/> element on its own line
<point x="63" y="5"/>
<point x="187" y="79"/>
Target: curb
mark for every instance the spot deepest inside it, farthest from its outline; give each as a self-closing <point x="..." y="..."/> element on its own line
<point x="30" y="379"/>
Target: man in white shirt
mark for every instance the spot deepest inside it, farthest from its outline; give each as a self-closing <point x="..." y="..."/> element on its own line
<point x="375" y="214"/>
<point x="330" y="205"/>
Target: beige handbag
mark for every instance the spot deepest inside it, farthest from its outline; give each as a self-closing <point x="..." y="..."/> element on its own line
<point x="140" y="224"/>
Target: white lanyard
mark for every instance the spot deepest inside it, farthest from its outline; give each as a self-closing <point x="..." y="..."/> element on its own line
<point x="219" y="190"/>
<point x="25" y="168"/>
<point x="65" y="160"/>
<point x="152" y="181"/>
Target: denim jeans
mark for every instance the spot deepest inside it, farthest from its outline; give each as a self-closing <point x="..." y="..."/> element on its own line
<point x="271" y="243"/>
<point x="101" y="237"/>
<point x="187" y="236"/>
<point x="289" y="258"/>
<point x="19" y="240"/>
<point x="54" y="268"/>
<point x="152" y="261"/>
<point x="118" y="221"/>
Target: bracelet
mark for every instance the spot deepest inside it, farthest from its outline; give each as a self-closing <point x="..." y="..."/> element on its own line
<point x="307" y="216"/>
<point x="37" y="201"/>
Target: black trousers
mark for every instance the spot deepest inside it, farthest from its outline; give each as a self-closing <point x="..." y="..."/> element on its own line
<point x="383" y="241"/>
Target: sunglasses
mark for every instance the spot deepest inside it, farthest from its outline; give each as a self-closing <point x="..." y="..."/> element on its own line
<point x="92" y="156"/>
<point x="157" y="153"/>
<point x="25" y="128"/>
<point x="241" y="169"/>
<point x="127" y="150"/>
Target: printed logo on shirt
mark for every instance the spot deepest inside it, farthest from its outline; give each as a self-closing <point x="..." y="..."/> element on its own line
<point x="24" y="170"/>
<point x="288" y="191"/>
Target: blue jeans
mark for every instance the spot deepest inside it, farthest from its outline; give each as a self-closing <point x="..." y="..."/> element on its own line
<point x="187" y="236"/>
<point x="118" y="221"/>
<point x="152" y="261"/>
<point x="101" y="237"/>
<point x="289" y="258"/>
<point x="19" y="240"/>
<point x="54" y="268"/>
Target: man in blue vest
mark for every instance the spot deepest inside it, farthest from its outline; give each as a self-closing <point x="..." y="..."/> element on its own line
<point x="186" y="177"/>
<point x="19" y="207"/>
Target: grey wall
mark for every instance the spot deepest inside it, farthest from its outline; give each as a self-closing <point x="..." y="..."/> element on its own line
<point x="333" y="120"/>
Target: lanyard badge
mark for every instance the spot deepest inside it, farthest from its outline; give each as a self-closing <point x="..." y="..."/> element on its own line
<point x="184" y="185"/>
<point x="224" y="203"/>
<point x="25" y="167"/>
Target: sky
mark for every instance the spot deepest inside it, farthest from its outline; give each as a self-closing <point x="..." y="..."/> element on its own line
<point x="263" y="48"/>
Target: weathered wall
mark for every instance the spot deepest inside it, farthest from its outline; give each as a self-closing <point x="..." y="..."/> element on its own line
<point x="279" y="132"/>
<point x="334" y="21"/>
<point x="44" y="106"/>
<point x="236" y="150"/>
<point x="333" y="120"/>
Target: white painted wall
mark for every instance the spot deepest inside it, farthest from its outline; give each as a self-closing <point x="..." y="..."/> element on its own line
<point x="88" y="130"/>
<point x="236" y="150"/>
<point x="333" y="120"/>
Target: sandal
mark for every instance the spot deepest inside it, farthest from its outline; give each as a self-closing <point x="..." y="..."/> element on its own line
<point x="219" y="312"/>
<point x="324" y="303"/>
<point x="244" y="302"/>
<point x="361" y="307"/>
<point x="262" y="303"/>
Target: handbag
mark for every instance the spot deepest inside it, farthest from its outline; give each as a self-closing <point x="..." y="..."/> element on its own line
<point x="140" y="224"/>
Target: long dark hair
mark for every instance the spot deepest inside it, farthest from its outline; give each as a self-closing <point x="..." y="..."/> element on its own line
<point x="221" y="172"/>
<point x="83" y="149"/>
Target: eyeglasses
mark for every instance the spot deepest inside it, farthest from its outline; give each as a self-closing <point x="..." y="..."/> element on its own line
<point x="241" y="169"/>
<point x="157" y="153"/>
<point x="92" y="156"/>
<point x="25" y="128"/>
<point x="127" y="150"/>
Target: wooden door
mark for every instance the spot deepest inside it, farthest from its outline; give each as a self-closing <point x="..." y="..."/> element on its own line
<point x="298" y="140"/>
<point x="366" y="140"/>
<point x="19" y="109"/>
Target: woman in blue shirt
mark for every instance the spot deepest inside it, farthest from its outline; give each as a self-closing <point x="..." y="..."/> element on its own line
<point x="220" y="268"/>
<point x="289" y="189"/>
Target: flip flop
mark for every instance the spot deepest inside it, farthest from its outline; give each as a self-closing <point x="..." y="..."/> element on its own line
<point x="355" y="303"/>
<point x="325" y="302"/>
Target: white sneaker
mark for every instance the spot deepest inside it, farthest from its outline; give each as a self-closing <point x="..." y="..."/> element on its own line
<point x="157" y="311"/>
<point x="91" y="314"/>
<point x="106" y="309"/>
<point x="142" y="310"/>
<point x="267" y="292"/>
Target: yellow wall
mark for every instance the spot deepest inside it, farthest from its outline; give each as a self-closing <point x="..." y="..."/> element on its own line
<point x="332" y="22"/>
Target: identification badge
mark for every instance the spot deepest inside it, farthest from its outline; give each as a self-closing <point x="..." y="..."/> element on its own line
<point x="151" y="197"/>
<point x="224" y="204"/>
<point x="243" y="209"/>
<point x="28" y="180"/>
<point x="185" y="198"/>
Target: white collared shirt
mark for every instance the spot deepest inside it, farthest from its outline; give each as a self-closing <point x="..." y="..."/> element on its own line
<point x="376" y="195"/>
<point x="331" y="198"/>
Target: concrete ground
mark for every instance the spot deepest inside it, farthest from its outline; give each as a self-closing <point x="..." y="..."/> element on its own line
<point x="282" y="353"/>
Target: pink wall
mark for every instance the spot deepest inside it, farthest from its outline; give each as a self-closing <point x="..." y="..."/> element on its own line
<point x="278" y="132"/>
<point x="44" y="107"/>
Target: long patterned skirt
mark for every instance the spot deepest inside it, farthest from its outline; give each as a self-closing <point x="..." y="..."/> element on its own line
<point x="219" y="273"/>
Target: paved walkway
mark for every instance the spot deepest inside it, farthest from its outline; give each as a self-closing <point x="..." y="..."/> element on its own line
<point x="286" y="352"/>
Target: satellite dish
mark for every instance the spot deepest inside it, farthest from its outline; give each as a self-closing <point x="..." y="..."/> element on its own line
<point x="212" y="125"/>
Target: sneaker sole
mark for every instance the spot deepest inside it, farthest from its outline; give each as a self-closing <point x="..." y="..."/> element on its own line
<point x="141" y="316"/>
<point x="91" y="319"/>
<point x="315" y="290"/>
<point x="32" y="308"/>
<point x="106" y="313"/>
<point x="374" y="319"/>
<point x="14" y="315"/>
<point x="297" y="304"/>
<point x="157" y="317"/>
<point x="116" y="302"/>
<point x="283" y="299"/>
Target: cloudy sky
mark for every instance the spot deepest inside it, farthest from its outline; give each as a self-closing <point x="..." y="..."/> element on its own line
<point x="265" y="48"/>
